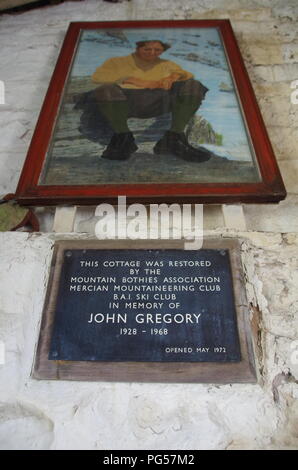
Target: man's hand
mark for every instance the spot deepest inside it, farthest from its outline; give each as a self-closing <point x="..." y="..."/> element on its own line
<point x="167" y="82"/>
<point x="151" y="84"/>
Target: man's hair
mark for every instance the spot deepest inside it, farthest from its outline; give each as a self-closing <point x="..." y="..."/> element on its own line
<point x="143" y="43"/>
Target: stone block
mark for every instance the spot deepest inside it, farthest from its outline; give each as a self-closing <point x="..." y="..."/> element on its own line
<point x="272" y="89"/>
<point x="279" y="112"/>
<point x="284" y="141"/>
<point x="289" y="171"/>
<point x="283" y="216"/>
<point x="286" y="12"/>
<point x="237" y="14"/>
<point x="10" y="168"/>
<point x="277" y="73"/>
<point x="265" y="54"/>
<point x="234" y="217"/>
<point x="64" y="219"/>
<point x="290" y="53"/>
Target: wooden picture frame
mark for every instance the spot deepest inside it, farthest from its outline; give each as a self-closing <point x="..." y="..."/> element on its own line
<point x="64" y="165"/>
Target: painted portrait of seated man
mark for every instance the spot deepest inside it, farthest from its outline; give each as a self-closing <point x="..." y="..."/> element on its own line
<point x="143" y="85"/>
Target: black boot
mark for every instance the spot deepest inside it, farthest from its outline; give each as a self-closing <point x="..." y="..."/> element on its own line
<point x="176" y="143"/>
<point x="121" y="146"/>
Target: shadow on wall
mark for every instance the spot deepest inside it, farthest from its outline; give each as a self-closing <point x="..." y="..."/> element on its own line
<point x="18" y="6"/>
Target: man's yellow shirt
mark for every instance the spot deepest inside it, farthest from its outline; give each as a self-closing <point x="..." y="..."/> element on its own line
<point x="117" y="69"/>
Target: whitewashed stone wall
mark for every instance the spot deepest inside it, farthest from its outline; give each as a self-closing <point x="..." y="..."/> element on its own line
<point x="64" y="415"/>
<point x="69" y="415"/>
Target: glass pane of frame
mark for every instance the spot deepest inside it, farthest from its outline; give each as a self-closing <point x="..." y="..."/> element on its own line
<point x="100" y="100"/>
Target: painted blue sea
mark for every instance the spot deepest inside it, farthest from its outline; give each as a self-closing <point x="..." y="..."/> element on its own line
<point x="199" y="51"/>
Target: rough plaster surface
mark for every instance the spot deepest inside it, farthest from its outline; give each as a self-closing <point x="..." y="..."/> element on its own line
<point x="64" y="415"/>
<point x="72" y="415"/>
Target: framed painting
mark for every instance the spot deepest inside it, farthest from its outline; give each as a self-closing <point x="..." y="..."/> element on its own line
<point x="158" y="111"/>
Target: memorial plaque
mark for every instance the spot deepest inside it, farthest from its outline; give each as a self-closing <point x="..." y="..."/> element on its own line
<point x="153" y="305"/>
<point x="128" y="312"/>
